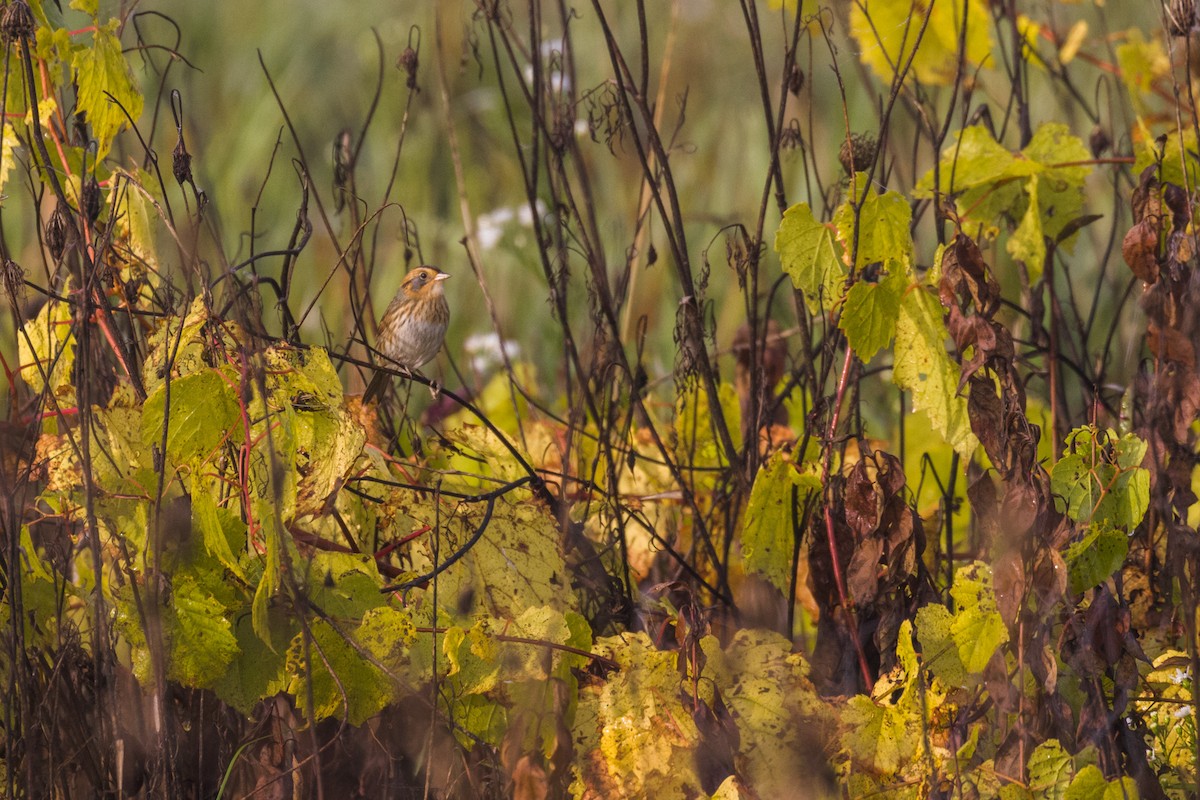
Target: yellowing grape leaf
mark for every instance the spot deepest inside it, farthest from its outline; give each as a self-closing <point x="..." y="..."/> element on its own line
<point x="807" y="254"/>
<point x="888" y="32"/>
<point x="767" y="537"/>
<point x="1037" y="192"/>
<point x="1049" y="770"/>
<point x="48" y="354"/>
<point x="977" y="628"/>
<point x="923" y="367"/>
<point x="767" y="691"/>
<point x="872" y="310"/>
<point x="201" y="414"/>
<point x="640" y="737"/>
<point x="101" y="71"/>
<point x="883" y="226"/>
<point x="197" y="627"/>
<point x="1141" y="63"/>
<point x="516" y="563"/>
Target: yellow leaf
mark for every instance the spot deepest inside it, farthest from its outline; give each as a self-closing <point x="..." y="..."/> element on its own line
<point x="890" y="33"/>
<point x="1074" y="40"/>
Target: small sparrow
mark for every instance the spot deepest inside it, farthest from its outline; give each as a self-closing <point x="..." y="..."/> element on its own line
<point x="414" y="325"/>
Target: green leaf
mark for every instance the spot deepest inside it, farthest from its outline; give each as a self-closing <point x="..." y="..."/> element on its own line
<point x="767" y="539"/>
<point x="1095" y="557"/>
<point x="1099" y="481"/>
<point x="221" y="530"/>
<point x="1089" y="784"/>
<point x="1037" y="192"/>
<point x="923" y="367"/>
<point x="872" y="310"/>
<point x="203" y="413"/>
<point x="1176" y="153"/>
<point x="125" y="467"/>
<point x="1064" y="164"/>
<point x="358" y="692"/>
<point x="257" y="672"/>
<point x="883" y="227"/>
<point x="807" y="255"/>
<point x="100" y="71"/>
<point x="938" y="649"/>
<point x="977" y="629"/>
<point x="972" y="160"/>
<point x="1049" y="770"/>
<point x="202" y="644"/>
<point x="1028" y="243"/>
<point x="1141" y="63"/>
<point x="49" y="352"/>
<point x="343" y="585"/>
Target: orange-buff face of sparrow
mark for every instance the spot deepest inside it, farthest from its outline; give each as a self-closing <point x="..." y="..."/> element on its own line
<point x="414" y="325"/>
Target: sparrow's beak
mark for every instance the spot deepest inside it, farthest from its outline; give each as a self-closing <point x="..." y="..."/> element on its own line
<point x="441" y="276"/>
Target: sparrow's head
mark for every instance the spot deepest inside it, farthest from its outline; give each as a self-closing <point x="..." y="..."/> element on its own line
<point x="424" y="282"/>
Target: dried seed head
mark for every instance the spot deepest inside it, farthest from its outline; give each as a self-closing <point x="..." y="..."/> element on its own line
<point x="796" y="80"/>
<point x="89" y="199"/>
<point x="181" y="163"/>
<point x="343" y="166"/>
<point x="857" y="152"/>
<point x="1099" y="141"/>
<point x="1181" y="17"/>
<point x="14" y="278"/>
<point x="17" y="22"/>
<point x="408" y="62"/>
<point x="56" y="232"/>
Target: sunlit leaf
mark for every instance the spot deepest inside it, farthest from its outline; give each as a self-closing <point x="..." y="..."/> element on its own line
<point x="807" y="254"/>
<point x="882" y="227"/>
<point x="201" y="414"/>
<point x="1095" y="557"/>
<point x="872" y="310"/>
<point x="1099" y="478"/>
<point x="101" y="72"/>
<point x="923" y="367"/>
<point x="977" y="628"/>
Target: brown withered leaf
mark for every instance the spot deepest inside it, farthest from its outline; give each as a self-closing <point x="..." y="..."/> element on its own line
<point x="719" y="742"/>
<point x="889" y="474"/>
<point x="1146" y="200"/>
<point x="1044" y="665"/>
<point x="1170" y="344"/>
<point x="1049" y="577"/>
<point x="985" y="410"/>
<point x="985" y="504"/>
<point x="903" y="528"/>
<point x="1008" y="581"/>
<point x="862" y="501"/>
<point x="1019" y="509"/>
<point x="862" y="576"/>
<point x="529" y="780"/>
<point x="1140" y="249"/>
<point x="966" y="275"/>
